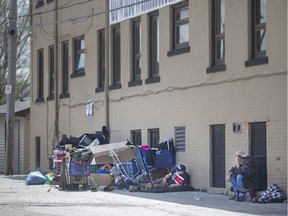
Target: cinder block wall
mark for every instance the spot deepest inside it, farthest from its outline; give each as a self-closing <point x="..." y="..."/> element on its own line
<point x="186" y="95"/>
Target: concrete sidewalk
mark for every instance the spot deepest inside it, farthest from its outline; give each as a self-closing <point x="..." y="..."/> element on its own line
<point x="16" y="198"/>
<point x="213" y="201"/>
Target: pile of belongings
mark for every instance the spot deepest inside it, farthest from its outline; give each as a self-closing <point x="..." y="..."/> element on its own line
<point x="81" y="155"/>
<point x="84" y="140"/>
<point x="273" y="194"/>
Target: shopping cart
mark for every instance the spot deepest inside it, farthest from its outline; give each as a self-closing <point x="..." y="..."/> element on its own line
<point x="151" y="160"/>
<point x="75" y="169"/>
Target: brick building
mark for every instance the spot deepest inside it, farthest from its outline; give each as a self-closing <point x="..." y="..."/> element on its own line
<point x="211" y="74"/>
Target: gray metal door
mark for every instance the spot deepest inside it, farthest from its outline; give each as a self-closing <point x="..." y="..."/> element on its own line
<point x="258" y="150"/>
<point x="218" y="155"/>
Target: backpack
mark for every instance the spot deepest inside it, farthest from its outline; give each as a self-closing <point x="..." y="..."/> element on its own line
<point x="244" y="195"/>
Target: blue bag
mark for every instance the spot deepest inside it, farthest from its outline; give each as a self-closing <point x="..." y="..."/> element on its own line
<point x="35" y="178"/>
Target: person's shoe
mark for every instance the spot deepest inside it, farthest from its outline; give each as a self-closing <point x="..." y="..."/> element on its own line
<point x="133" y="188"/>
<point x="146" y="187"/>
<point x="233" y="197"/>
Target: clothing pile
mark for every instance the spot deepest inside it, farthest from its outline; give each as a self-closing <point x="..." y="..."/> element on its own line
<point x="273" y="194"/>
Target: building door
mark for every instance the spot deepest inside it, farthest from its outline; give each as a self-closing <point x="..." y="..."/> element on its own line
<point x="258" y="150"/>
<point x="16" y="154"/>
<point x="218" y="155"/>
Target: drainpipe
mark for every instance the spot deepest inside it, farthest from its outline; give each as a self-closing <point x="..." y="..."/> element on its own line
<point x="107" y="38"/>
<point x="56" y="78"/>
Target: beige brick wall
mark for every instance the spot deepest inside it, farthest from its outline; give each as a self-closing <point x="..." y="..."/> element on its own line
<point x="186" y="95"/>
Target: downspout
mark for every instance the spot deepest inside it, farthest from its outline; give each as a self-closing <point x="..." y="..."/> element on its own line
<point x="56" y="78"/>
<point x="107" y="53"/>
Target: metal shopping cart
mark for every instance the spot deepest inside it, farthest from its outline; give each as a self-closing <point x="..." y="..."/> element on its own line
<point x="151" y="160"/>
<point x="133" y="162"/>
<point x="76" y="169"/>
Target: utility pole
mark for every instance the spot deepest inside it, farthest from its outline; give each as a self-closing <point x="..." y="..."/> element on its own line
<point x="10" y="87"/>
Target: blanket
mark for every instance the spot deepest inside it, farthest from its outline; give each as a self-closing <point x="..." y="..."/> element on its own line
<point x="173" y="189"/>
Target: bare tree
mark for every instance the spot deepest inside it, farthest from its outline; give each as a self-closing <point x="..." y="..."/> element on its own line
<point x="23" y="50"/>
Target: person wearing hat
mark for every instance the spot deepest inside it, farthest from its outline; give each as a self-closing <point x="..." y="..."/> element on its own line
<point x="244" y="174"/>
<point x="177" y="178"/>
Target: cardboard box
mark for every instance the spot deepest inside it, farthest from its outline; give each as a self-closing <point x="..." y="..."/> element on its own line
<point x="102" y="179"/>
<point x="102" y="153"/>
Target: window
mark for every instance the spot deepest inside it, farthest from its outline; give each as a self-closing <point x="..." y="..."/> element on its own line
<point x="180" y="139"/>
<point x="217" y="36"/>
<point x="51" y="73"/>
<point x="180" y="29"/>
<point x="40" y="70"/>
<point x="153" y="53"/>
<point x="136" y="137"/>
<point x="79" y="57"/>
<point x="257" y="33"/>
<point x="153" y="137"/>
<point x="101" y="60"/>
<point x="136" y="53"/>
<point x="65" y="70"/>
<point x="39" y="3"/>
<point x="37" y="152"/>
<point x="116" y="58"/>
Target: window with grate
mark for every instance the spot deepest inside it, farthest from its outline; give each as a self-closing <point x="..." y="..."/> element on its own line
<point x="180" y="139"/>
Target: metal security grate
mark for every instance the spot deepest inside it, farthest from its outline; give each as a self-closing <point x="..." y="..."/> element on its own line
<point x="180" y="138"/>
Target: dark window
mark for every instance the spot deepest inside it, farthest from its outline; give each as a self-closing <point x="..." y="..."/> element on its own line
<point x="40" y="70"/>
<point x="116" y="56"/>
<point x="180" y="139"/>
<point x="39" y="3"/>
<point x="37" y="152"/>
<point x="258" y="33"/>
<point x="65" y="70"/>
<point x="217" y="36"/>
<point x="79" y="56"/>
<point x="153" y="53"/>
<point x="101" y="60"/>
<point x="153" y="137"/>
<point x="51" y="73"/>
<point x="180" y="29"/>
<point x="136" y="53"/>
<point x="136" y="137"/>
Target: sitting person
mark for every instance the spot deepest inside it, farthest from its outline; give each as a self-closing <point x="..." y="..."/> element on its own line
<point x="244" y="174"/>
<point x="177" y="178"/>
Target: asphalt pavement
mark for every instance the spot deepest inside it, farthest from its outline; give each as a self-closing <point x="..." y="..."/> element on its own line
<point x="19" y="199"/>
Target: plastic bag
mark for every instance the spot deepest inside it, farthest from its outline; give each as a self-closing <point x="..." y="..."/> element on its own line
<point x="35" y="178"/>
